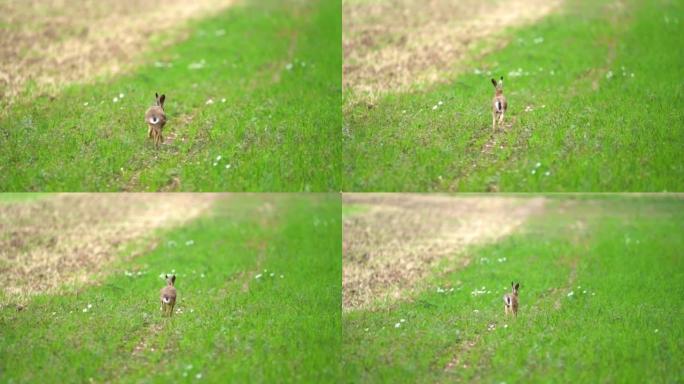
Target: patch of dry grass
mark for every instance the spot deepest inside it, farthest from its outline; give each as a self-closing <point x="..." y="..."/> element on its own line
<point x="390" y="246"/>
<point x="61" y="240"/>
<point x="392" y="45"/>
<point x="55" y="42"/>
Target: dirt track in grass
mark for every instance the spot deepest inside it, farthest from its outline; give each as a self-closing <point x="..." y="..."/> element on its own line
<point x="395" y="240"/>
<point x="62" y="239"/>
<point x="54" y="42"/>
<point x="392" y="45"/>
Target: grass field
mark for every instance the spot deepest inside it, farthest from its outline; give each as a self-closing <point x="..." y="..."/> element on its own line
<point x="602" y="290"/>
<point x="594" y="92"/>
<point x="259" y="301"/>
<point x="253" y="100"/>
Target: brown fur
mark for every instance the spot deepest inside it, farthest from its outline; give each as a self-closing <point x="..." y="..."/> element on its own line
<point x="498" y="97"/>
<point x="513" y="296"/>
<point x="156" y="113"/>
<point x="168" y="291"/>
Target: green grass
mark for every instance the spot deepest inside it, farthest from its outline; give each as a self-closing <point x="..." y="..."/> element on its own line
<point x="624" y="136"/>
<point x="233" y="327"/>
<point x="627" y="256"/>
<point x="278" y="129"/>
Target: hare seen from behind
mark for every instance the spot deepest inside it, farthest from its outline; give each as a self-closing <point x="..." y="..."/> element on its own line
<point x="511" y="300"/>
<point x="155" y="119"/>
<point x="168" y="296"/>
<point x="499" y="104"/>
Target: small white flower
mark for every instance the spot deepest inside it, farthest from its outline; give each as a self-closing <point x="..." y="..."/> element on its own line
<point x="85" y="309"/>
<point x="203" y="275"/>
<point x="505" y="325"/>
<point x="537" y="165"/>
<point x="547" y="173"/>
<point x="198" y="376"/>
<point x="282" y="276"/>
<point x="435" y="107"/>
<point x="403" y="111"/>
<point x="571" y="293"/>
<point x="209" y="102"/>
<point x="476" y="310"/>
<point x="227" y="166"/>
<point x="593" y="293"/>
<point x="534" y="171"/>
<point x="585" y="291"/>
<point x="440" y="102"/>
<point x="115" y="100"/>
<point x="90" y="306"/>
<point x="215" y="164"/>
<point x="188" y="367"/>
<point x="402" y="320"/>
<point x="631" y="75"/>
<point x="258" y="276"/>
<point x="218" y="157"/>
<point x="365" y="329"/>
<point x="54" y="313"/>
<point x="272" y="274"/>
<point x="190" y="242"/>
<point x="656" y="331"/>
<point x="609" y="74"/>
<point x="288" y="66"/>
<point x="121" y="95"/>
<point x="223" y="100"/>
<point x="397" y="325"/>
<point x="85" y="104"/>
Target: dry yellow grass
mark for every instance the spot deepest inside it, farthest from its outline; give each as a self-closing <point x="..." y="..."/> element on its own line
<point x="61" y="240"/>
<point x="54" y="42"/>
<point x="393" y="45"/>
<point x="389" y="248"/>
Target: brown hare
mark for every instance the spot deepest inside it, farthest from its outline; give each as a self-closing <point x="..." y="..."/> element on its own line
<point x="168" y="296"/>
<point x="499" y="104"/>
<point x="155" y="119"/>
<point x="511" y="300"/>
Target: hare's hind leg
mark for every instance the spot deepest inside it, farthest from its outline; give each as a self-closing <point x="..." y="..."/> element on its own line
<point x="501" y="118"/>
<point x="493" y="121"/>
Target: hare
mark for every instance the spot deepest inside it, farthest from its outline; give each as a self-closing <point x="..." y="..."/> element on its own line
<point x="168" y="296"/>
<point x="511" y="300"/>
<point x="499" y="103"/>
<point x="155" y="119"/>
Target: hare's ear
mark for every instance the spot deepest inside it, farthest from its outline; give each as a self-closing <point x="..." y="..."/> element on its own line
<point x="173" y="278"/>
<point x="517" y="286"/>
<point x="511" y="284"/>
<point x="156" y="96"/>
<point x="166" y="276"/>
<point x="494" y="82"/>
<point x="502" y="79"/>
<point x="161" y="100"/>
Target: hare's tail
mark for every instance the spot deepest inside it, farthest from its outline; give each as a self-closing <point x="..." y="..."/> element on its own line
<point x="166" y="299"/>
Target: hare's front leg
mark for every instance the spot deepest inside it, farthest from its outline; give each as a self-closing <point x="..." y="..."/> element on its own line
<point x="501" y="119"/>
